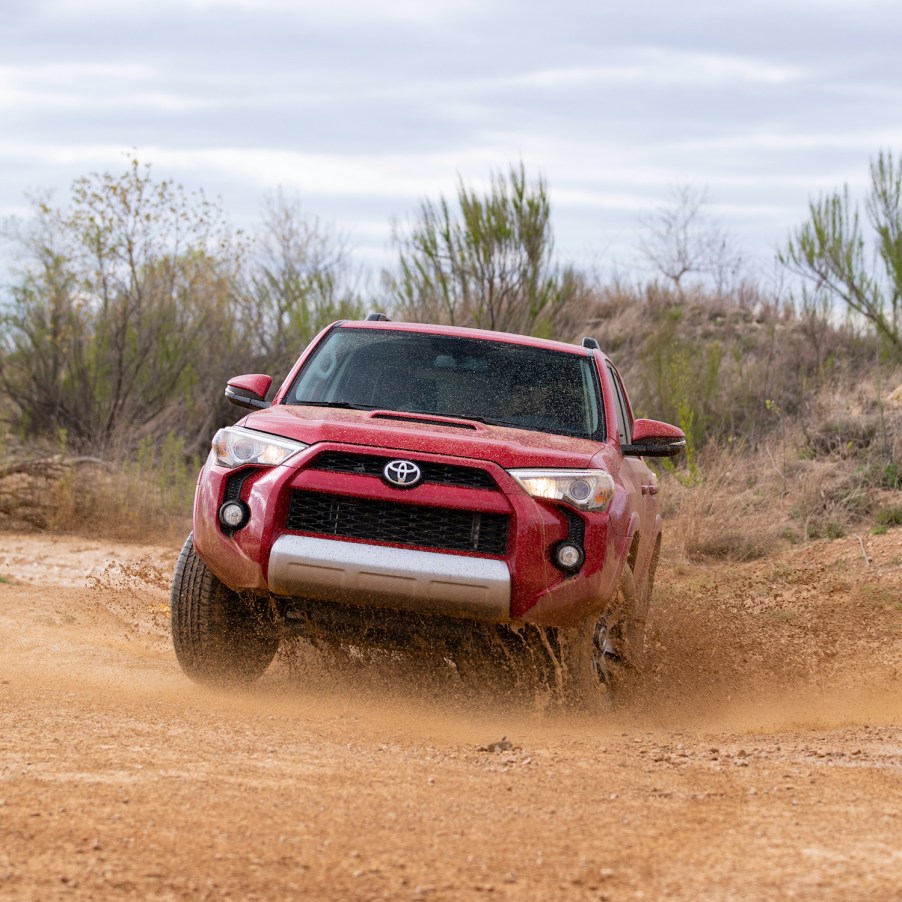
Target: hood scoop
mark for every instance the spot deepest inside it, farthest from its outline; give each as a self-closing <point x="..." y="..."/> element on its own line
<point x="429" y="421"/>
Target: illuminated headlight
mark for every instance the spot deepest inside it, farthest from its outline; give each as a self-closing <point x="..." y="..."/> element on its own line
<point x="236" y="446"/>
<point x="587" y="490"/>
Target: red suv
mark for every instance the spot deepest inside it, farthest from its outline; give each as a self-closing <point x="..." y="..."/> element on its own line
<point x="414" y="483"/>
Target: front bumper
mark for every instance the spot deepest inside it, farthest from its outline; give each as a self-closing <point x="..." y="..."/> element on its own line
<point x="273" y="555"/>
<point x="399" y="578"/>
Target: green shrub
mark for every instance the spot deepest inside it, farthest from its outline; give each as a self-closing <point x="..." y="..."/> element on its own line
<point x="890" y="516"/>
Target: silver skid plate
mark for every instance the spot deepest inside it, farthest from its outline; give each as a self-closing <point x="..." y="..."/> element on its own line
<point x="399" y="578"/>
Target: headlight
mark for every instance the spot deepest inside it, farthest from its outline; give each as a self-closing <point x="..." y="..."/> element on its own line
<point x="235" y="447"/>
<point x="588" y="490"/>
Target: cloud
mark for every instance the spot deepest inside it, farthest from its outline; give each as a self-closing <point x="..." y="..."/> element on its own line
<point x="365" y="108"/>
<point x="84" y="85"/>
<point x="660" y="66"/>
<point x="341" y="11"/>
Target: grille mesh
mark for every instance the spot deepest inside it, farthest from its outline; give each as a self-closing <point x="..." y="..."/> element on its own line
<point x="372" y="465"/>
<point x="576" y="526"/>
<point x="402" y="524"/>
<point x="233" y="485"/>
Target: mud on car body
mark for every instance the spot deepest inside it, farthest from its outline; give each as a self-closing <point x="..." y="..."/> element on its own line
<point x="414" y="483"/>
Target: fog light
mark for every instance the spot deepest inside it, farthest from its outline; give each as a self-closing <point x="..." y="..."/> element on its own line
<point x="234" y="514"/>
<point x="569" y="556"/>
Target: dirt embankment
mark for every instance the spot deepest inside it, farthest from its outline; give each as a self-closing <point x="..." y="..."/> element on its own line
<point x="759" y="756"/>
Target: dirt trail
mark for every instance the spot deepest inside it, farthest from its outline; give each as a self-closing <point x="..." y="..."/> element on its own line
<point x="760" y="757"/>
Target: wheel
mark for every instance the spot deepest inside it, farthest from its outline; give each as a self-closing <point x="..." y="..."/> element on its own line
<point x="605" y="651"/>
<point x="619" y="634"/>
<point x="221" y="637"/>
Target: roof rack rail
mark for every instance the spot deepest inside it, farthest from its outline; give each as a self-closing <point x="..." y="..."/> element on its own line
<point x="591" y="343"/>
<point x="375" y="317"/>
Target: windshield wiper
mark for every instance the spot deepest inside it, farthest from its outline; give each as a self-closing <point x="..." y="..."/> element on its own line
<point x="486" y="420"/>
<point x="346" y="405"/>
<point x="529" y="427"/>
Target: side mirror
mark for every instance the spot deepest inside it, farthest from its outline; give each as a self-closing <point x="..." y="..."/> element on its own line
<point x="249" y="391"/>
<point x="654" y="439"/>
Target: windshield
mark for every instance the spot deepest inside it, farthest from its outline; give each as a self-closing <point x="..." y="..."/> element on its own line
<point x="489" y="381"/>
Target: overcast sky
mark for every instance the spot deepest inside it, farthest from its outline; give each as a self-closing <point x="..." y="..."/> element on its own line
<point x="364" y="108"/>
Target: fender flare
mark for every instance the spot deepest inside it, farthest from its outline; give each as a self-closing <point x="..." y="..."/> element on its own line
<point x="624" y="547"/>
<point x="626" y="542"/>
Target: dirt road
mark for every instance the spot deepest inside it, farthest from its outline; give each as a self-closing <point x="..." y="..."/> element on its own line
<point x="759" y="758"/>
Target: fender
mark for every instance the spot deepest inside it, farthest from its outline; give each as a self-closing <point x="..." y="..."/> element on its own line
<point x="645" y="576"/>
<point x="624" y="548"/>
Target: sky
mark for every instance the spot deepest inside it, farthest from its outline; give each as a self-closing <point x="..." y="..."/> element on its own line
<point x="363" y="109"/>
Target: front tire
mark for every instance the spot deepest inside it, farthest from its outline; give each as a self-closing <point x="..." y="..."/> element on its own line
<point x="221" y="637"/>
<point x="605" y="652"/>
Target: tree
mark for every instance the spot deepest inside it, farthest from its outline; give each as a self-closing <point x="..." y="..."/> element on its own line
<point x="830" y="251"/>
<point x="681" y="240"/>
<point x="119" y="311"/>
<point x="487" y="264"/>
<point x="297" y="279"/>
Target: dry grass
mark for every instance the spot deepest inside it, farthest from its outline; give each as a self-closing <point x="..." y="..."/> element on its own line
<point x="744" y="504"/>
<point x="728" y="510"/>
<point x="123" y="501"/>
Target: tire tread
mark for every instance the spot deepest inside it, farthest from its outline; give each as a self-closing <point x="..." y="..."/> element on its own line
<point x="215" y="633"/>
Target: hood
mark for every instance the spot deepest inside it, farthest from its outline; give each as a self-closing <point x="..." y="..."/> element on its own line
<point x="393" y="431"/>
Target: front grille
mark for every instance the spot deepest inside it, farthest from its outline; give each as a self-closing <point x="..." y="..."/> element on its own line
<point x="442" y="528"/>
<point x="372" y="465"/>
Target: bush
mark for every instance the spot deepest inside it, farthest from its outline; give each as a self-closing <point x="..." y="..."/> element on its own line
<point x="120" y="309"/>
<point x="488" y="264"/>
<point x="891" y="516"/>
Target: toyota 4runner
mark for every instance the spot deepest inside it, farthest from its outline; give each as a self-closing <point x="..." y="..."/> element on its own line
<point x="415" y="483"/>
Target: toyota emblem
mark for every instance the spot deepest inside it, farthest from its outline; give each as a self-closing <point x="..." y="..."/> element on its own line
<point x="402" y="473"/>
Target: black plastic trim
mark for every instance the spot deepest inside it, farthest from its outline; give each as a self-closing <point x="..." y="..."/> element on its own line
<point x="446" y="529"/>
<point x="240" y="399"/>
